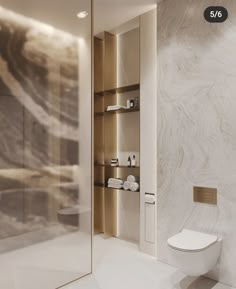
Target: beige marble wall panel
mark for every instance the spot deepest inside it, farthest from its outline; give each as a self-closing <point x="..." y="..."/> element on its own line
<point x="197" y="125"/>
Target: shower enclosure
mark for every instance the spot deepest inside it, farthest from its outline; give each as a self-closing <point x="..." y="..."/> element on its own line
<point x="45" y="143"/>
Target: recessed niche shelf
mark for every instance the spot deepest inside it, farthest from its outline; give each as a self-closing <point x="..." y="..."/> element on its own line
<point x="107" y="129"/>
<point x="108" y="188"/>
<point x="121" y="110"/>
<point x="118" y="90"/>
<point x="128" y="191"/>
<point x="118" y="167"/>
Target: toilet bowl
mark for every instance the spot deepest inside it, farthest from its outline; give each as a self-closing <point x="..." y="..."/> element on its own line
<point x="194" y="253"/>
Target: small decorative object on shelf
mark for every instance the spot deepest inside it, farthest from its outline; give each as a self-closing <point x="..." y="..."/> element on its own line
<point x="133" y="162"/>
<point x="131" y="103"/>
<point x="115" y="162"/>
<point x="129" y="162"/>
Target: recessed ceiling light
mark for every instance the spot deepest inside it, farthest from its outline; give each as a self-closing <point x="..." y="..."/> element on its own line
<point x="82" y="14"/>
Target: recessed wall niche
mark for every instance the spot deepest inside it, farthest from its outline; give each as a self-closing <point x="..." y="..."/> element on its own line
<point x="117" y="132"/>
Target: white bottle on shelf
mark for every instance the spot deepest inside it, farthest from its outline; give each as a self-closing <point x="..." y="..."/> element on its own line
<point x="133" y="162"/>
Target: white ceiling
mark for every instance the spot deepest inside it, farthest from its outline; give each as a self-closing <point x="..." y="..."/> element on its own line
<point x="108" y="14"/>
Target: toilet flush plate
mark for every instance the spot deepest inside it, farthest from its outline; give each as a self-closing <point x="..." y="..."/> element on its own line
<point x="205" y="195"/>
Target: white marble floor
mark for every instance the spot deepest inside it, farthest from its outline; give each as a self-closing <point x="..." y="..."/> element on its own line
<point x="120" y="265"/>
<point x="46" y="265"/>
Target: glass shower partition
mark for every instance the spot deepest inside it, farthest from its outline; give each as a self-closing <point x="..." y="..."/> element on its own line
<point x="45" y="143"/>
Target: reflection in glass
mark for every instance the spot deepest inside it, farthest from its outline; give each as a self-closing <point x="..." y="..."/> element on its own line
<point x="45" y="214"/>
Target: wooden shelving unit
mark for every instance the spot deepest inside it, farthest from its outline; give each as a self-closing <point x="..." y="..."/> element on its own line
<point x="105" y="133"/>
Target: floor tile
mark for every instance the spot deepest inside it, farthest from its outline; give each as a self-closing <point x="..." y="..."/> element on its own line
<point x="120" y="265"/>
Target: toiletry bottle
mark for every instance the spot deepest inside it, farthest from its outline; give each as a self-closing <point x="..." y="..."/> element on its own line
<point x="133" y="162"/>
<point x="131" y="103"/>
<point x="129" y="162"/>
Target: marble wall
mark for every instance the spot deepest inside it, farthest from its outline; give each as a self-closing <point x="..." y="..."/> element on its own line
<point x="38" y="123"/>
<point x="38" y="93"/>
<point x="197" y="125"/>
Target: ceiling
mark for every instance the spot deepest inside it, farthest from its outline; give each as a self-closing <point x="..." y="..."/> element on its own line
<point x="108" y="14"/>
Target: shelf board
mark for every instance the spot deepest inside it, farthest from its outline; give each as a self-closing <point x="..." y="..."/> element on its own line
<point x="123" y="89"/>
<point x="123" y="110"/>
<point x="122" y="167"/>
<point x="118" y="111"/>
<point x="128" y="191"/>
<point x="118" y="167"/>
<point x="100" y="185"/>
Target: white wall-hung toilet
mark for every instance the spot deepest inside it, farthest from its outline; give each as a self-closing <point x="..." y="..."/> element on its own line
<point x="194" y="253"/>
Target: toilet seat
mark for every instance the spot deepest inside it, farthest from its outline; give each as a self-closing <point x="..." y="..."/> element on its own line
<point x="192" y="241"/>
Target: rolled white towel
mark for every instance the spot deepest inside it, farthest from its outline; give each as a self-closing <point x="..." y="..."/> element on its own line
<point x="134" y="187"/>
<point x="126" y="186"/>
<point x="132" y="179"/>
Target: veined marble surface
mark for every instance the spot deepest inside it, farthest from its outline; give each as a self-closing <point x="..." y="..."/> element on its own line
<point x="38" y="123"/>
<point x="38" y="93"/>
<point x="197" y="125"/>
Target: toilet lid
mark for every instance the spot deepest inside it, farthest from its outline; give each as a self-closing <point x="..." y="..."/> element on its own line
<point x="189" y="240"/>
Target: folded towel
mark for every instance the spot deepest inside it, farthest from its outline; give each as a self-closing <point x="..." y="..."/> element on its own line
<point x="115" y="107"/>
<point x="115" y="181"/>
<point x="113" y="186"/>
